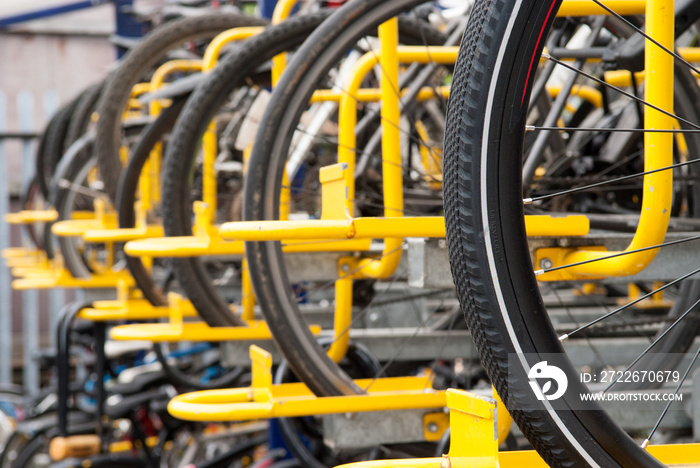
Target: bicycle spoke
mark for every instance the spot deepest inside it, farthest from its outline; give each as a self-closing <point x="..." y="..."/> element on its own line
<point x="670" y="401"/>
<point x="566" y="336"/>
<point x="532" y="128"/>
<point x="654" y="343"/>
<point x="621" y="91"/>
<point x="620" y="254"/>
<point x="648" y="37"/>
<point x="529" y="201"/>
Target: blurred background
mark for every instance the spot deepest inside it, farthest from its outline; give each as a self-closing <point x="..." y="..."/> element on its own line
<point x="50" y="50"/>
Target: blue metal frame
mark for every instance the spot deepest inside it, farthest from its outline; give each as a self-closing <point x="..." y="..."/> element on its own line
<point x="267" y="7"/>
<point x="47" y="12"/>
<point x="127" y="25"/>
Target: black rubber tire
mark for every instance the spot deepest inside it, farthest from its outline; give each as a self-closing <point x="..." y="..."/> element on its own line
<point x="52" y="149"/>
<point x="39" y="158"/>
<point x="79" y="149"/>
<point x="78" y="161"/>
<point x="199" y="110"/>
<point x="28" y="197"/>
<point x="365" y="366"/>
<point x="230" y="74"/>
<point x="128" y="189"/>
<point x="135" y="66"/>
<point x="70" y="168"/>
<point x="487" y="242"/>
<point x="79" y="122"/>
<point x="324" y="48"/>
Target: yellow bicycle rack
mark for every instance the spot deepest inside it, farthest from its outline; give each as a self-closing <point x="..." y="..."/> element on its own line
<point x="176" y="329"/>
<point x="264" y="400"/>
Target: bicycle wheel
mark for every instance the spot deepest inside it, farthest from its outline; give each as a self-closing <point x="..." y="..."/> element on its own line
<point x="232" y="77"/>
<point x="127" y="196"/>
<point x="75" y="188"/>
<point x="31" y="199"/>
<point x="137" y="65"/>
<point x="84" y="110"/>
<point x="51" y="150"/>
<point x="285" y="292"/>
<point x="491" y="165"/>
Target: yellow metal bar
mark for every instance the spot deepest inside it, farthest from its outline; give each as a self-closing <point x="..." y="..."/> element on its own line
<point x="122" y="235"/>
<point x="188" y="246"/>
<point x="211" y="55"/>
<point x="392" y="167"/>
<point x="347" y="109"/>
<point x="15" y="252"/>
<point x="314" y="229"/>
<point x="389" y="57"/>
<point x="209" y="147"/>
<point x="691" y="54"/>
<point x="622" y="78"/>
<point x="381" y="228"/>
<point x="126" y="445"/>
<point x="144" y="313"/>
<point x="333" y="192"/>
<point x="145" y="178"/>
<point x="193" y="331"/>
<point x="162" y="73"/>
<point x="264" y="400"/>
<point x="588" y="93"/>
<point x="283" y="10"/>
<point x="587" y="7"/>
<point x="375" y="94"/>
<point x="75" y="227"/>
<point x="30" y="262"/>
<point x="191" y="246"/>
<point x="658" y="153"/>
<point x="140" y="88"/>
<point x="342" y="318"/>
<point x="64" y="279"/>
<point x="670" y="455"/>
<point x="31" y="216"/>
<point x="248" y="299"/>
<point x="504" y="421"/>
<point x="472" y="423"/>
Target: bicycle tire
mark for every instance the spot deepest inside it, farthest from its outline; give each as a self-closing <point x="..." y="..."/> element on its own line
<point x="28" y="197"/>
<point x="136" y="64"/>
<point x="128" y="189"/>
<point x="79" y="122"/>
<point x="74" y="165"/>
<point x="321" y="50"/>
<point x="74" y="169"/>
<point x="52" y="150"/>
<point x="303" y="450"/>
<point x="231" y="73"/>
<point x="199" y="110"/>
<point x="486" y="235"/>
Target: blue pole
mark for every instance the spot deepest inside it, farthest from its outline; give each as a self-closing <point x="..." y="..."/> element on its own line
<point x="46" y="12"/>
<point x="267" y="7"/>
<point x="127" y="25"/>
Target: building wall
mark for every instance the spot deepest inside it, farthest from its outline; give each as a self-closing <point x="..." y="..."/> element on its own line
<point x="45" y="64"/>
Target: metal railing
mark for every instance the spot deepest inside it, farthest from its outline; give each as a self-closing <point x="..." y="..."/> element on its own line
<point x="29" y="301"/>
